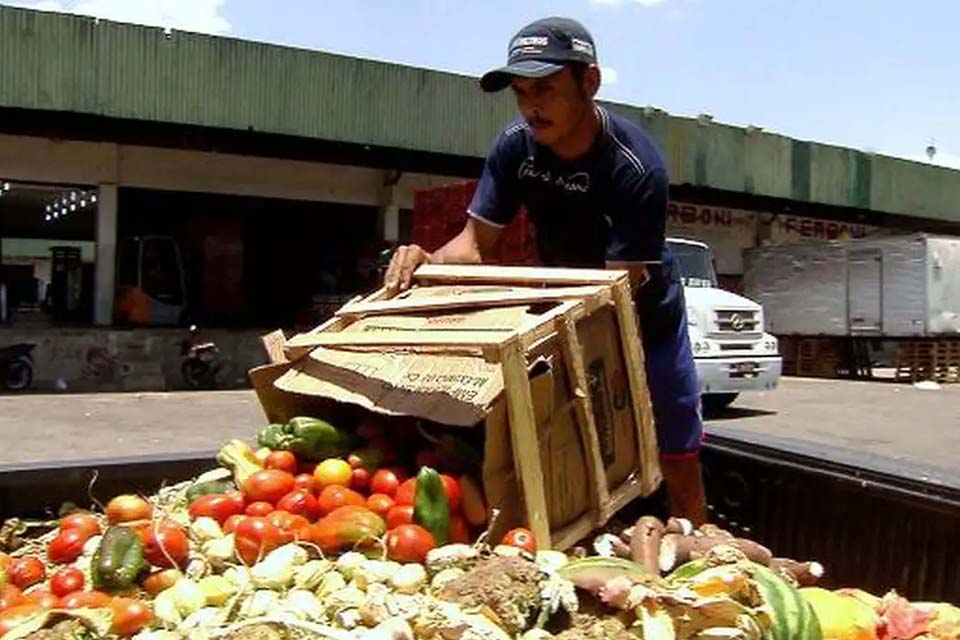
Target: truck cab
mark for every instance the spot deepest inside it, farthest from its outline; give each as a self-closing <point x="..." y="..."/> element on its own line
<point x="732" y="352"/>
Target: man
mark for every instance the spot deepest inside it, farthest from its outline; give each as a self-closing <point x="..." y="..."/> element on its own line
<point x="596" y="191"/>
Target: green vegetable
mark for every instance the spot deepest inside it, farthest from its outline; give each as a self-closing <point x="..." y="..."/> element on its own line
<point x="118" y="560"/>
<point x="237" y="456"/>
<point x="308" y="438"/>
<point x="198" y="489"/>
<point x="431" y="508"/>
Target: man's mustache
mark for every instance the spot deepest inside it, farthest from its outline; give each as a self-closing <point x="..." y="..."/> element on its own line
<point x="538" y="122"/>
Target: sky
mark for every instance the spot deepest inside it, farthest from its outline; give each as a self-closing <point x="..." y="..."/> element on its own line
<point x="877" y="75"/>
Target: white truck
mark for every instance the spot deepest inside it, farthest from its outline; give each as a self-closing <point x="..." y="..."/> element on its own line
<point x="732" y="351"/>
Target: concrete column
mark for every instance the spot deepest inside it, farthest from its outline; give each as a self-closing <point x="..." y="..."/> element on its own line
<point x="391" y="223"/>
<point x="105" y="280"/>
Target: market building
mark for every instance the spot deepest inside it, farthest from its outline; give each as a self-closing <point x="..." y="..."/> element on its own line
<point x="152" y="179"/>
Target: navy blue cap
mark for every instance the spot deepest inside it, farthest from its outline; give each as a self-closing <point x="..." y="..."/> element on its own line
<point x="541" y="49"/>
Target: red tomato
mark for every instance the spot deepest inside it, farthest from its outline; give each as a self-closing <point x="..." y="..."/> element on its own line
<point x="268" y="485"/>
<point x="84" y="522"/>
<point x="306" y="482"/>
<point x="218" y="506"/>
<point x="44" y="598"/>
<point x="452" y="488"/>
<point x="385" y="481"/>
<point x="409" y="543"/>
<point x="360" y="479"/>
<point x="128" y="508"/>
<point x="459" y="532"/>
<point x="231" y="523"/>
<point x="130" y="616"/>
<point x="11" y="618"/>
<point x="398" y="515"/>
<point x="166" y="538"/>
<point x="281" y="461"/>
<point x="11" y="596"/>
<point x="26" y="572"/>
<point x="65" y="581"/>
<point x="521" y="539"/>
<point x="67" y="546"/>
<point x="255" y="538"/>
<point x="258" y="509"/>
<point x="159" y="581"/>
<point x="301" y="502"/>
<point x="428" y="458"/>
<point x="334" y="496"/>
<point x="86" y="600"/>
<point x="407" y="492"/>
<point x="380" y="504"/>
<point x="288" y="523"/>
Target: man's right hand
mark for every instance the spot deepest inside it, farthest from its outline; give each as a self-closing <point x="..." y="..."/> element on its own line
<point x="404" y="262"/>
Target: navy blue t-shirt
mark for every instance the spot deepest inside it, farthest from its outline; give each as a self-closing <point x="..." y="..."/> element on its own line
<point x="608" y="206"/>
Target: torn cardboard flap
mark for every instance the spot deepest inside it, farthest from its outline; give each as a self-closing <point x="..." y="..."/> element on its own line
<point x="451" y="389"/>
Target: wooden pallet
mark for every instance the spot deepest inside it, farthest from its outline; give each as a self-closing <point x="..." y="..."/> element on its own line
<point x="936" y="359"/>
<point x="559" y="473"/>
<point x="810" y="357"/>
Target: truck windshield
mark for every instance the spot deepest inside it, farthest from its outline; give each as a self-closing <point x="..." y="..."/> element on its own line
<point x="696" y="264"/>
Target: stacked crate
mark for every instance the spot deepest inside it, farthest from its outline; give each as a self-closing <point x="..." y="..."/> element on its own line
<point x="926" y="359"/>
<point x="440" y="213"/>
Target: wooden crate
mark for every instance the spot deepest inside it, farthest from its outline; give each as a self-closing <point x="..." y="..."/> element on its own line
<point x="569" y="438"/>
<point x="936" y="359"/>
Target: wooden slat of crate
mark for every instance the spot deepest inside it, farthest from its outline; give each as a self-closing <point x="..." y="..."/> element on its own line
<point x="599" y="288"/>
<point x="928" y="359"/>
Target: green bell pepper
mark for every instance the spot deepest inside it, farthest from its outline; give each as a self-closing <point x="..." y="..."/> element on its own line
<point x="308" y="438"/>
<point x="118" y="560"/>
<point x="431" y="508"/>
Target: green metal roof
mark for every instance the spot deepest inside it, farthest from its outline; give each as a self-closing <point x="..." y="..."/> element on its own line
<point x="58" y="62"/>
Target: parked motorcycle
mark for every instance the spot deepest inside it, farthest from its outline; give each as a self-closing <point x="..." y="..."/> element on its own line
<point x="202" y="366"/>
<point x="16" y="366"/>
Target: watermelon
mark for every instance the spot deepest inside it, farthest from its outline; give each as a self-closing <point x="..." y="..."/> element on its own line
<point x="790" y="616"/>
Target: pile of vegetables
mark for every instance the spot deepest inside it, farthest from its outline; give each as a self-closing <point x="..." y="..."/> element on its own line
<point x="322" y="532"/>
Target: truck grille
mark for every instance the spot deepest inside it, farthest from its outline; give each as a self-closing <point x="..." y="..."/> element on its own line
<point x="737" y="322"/>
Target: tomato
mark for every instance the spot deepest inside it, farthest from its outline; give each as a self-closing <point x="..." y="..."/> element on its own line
<point x="306" y="482"/>
<point x="67" y="580"/>
<point x="288" y="523"/>
<point x="11" y="618"/>
<point x="255" y="538"/>
<point x="385" y="481"/>
<point x="380" y="504"/>
<point x="454" y="495"/>
<point x="268" y="485"/>
<point x="44" y="598"/>
<point x="128" y="508"/>
<point x="521" y="539"/>
<point x="163" y="539"/>
<point x="360" y="479"/>
<point x="409" y="543"/>
<point x="281" y="461"/>
<point x="159" y="581"/>
<point x="398" y="515"/>
<point x="258" y="509"/>
<point x="230" y="525"/>
<point x="407" y="492"/>
<point x="87" y="523"/>
<point x="333" y="471"/>
<point x="334" y="496"/>
<point x="129" y="616"/>
<point x="86" y="600"/>
<point x="26" y="572"/>
<point x="428" y="458"/>
<point x="300" y="502"/>
<point x="67" y="546"/>
<point x="459" y="532"/>
<point x="11" y="596"/>
<point x="218" y="506"/>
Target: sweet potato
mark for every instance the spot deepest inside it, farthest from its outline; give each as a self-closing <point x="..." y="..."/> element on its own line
<point x="676" y="549"/>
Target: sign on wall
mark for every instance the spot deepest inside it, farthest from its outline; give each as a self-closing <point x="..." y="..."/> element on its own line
<point x="727" y="231"/>
<point x="786" y="229"/>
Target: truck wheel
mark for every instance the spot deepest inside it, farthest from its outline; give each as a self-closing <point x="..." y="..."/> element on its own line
<point x="716" y="402"/>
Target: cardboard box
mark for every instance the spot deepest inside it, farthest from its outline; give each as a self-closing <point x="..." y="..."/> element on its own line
<point x="547" y="362"/>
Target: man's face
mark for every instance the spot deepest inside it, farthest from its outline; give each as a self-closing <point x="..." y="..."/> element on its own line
<point x="554" y="106"/>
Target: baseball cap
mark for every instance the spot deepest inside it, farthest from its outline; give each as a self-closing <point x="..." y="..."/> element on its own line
<point x="541" y="49"/>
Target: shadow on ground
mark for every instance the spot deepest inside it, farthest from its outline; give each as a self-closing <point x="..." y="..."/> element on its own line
<point x="736" y="413"/>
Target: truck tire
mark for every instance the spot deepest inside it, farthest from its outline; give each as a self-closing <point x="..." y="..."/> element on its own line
<point x="716" y="402"/>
